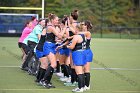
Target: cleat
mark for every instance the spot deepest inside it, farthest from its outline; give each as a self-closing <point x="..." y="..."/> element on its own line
<point x="78" y="90"/>
<point x="50" y="85"/>
<point x="25" y="69"/>
<point x="87" y="88"/>
<point x="70" y="84"/>
<point x="64" y="79"/>
<point x="46" y="84"/>
<point x="42" y="83"/>
<point x="60" y="74"/>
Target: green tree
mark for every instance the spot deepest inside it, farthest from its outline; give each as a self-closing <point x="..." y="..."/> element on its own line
<point x="99" y="12"/>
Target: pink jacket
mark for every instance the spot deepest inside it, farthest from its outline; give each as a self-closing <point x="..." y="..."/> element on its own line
<point x="25" y="33"/>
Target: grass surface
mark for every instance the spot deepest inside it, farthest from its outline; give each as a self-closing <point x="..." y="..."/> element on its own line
<point x="108" y="53"/>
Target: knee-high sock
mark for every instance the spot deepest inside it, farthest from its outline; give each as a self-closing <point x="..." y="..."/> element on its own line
<point x="58" y="67"/>
<point x="63" y="67"/>
<point x="81" y="81"/>
<point x="87" y="79"/>
<point x="67" y="71"/>
<point x="48" y="73"/>
<point x="69" y="68"/>
<point x="73" y="76"/>
<point x="50" y="77"/>
<point x="40" y="74"/>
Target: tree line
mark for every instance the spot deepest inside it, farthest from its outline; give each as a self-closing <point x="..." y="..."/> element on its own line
<point x="106" y="13"/>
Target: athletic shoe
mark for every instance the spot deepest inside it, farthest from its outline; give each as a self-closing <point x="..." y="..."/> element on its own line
<point x="77" y="90"/>
<point x="46" y="84"/>
<point x="68" y="80"/>
<point x="25" y="69"/>
<point x="71" y="84"/>
<point x="87" y="88"/>
<point x="50" y="85"/>
<point x="30" y="72"/>
<point x="41" y="82"/>
<point x="60" y="74"/>
<point x="64" y="79"/>
<point x="38" y="82"/>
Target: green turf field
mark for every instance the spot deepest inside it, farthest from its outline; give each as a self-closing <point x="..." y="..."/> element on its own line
<point x="122" y="55"/>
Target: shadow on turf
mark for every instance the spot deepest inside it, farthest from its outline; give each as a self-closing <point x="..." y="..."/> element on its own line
<point x="11" y="53"/>
<point x="121" y="76"/>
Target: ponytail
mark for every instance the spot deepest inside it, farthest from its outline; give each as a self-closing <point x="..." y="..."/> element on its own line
<point x="74" y="14"/>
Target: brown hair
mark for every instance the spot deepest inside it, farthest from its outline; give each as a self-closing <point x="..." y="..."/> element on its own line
<point x="27" y="22"/>
<point x="51" y="16"/>
<point x="40" y="20"/>
<point x="88" y="24"/>
<point x="33" y="17"/>
<point x="64" y="19"/>
<point x="46" y="21"/>
<point x="74" y="14"/>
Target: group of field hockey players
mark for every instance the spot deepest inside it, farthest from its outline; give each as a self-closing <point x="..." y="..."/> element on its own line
<point x="60" y="46"/>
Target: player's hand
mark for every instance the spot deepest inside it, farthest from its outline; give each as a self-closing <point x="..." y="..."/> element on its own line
<point x="58" y="47"/>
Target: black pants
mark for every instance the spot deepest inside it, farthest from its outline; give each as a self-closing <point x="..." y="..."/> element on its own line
<point x="30" y="53"/>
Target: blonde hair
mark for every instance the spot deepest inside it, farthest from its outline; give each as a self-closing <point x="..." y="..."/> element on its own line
<point x="79" y="27"/>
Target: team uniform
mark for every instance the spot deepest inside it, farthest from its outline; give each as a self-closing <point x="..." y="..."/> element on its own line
<point x="72" y="71"/>
<point x="39" y="54"/>
<point x="65" y="68"/>
<point x="39" y="48"/>
<point x="64" y="50"/>
<point x="79" y="52"/>
<point x="88" y="52"/>
<point x="49" y="45"/>
<point x="89" y="58"/>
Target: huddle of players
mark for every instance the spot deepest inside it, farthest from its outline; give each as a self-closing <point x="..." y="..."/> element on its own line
<point x="61" y="42"/>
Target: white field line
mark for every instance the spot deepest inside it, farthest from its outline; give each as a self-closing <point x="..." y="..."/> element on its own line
<point x="9" y="66"/>
<point x="91" y="68"/>
<point x="114" y="69"/>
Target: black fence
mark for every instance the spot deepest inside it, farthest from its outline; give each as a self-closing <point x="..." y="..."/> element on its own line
<point x="117" y="32"/>
<point x="98" y="32"/>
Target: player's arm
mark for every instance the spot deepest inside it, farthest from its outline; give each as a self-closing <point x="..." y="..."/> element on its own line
<point x="74" y="41"/>
<point x="56" y="32"/>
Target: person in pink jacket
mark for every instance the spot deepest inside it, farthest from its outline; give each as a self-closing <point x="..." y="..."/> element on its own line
<point x="26" y="31"/>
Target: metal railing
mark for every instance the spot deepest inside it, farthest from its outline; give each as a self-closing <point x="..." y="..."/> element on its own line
<point x="117" y="32"/>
